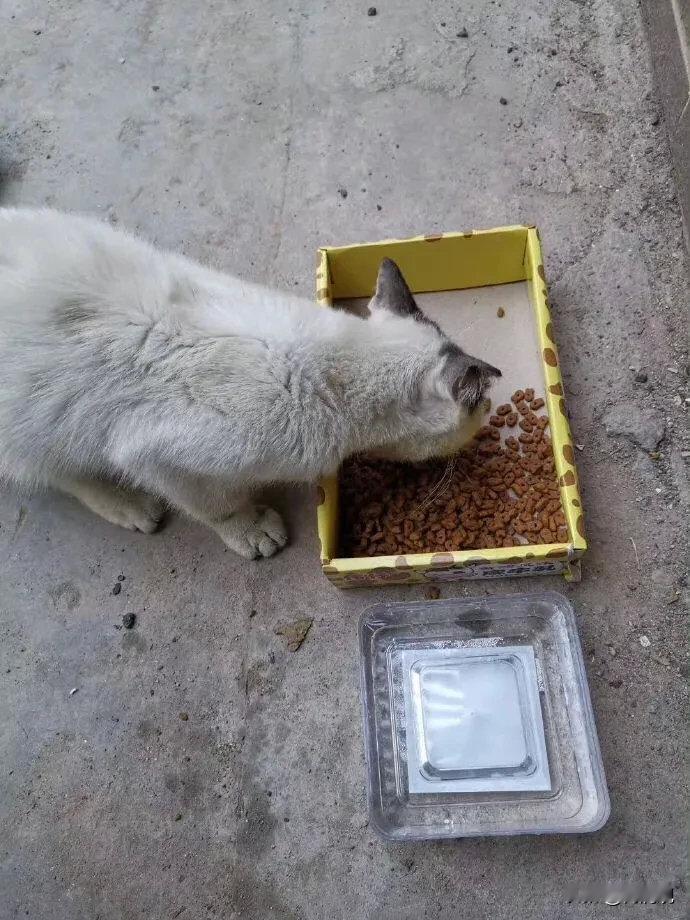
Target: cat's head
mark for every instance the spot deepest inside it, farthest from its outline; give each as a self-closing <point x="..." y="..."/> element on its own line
<point x="442" y="407"/>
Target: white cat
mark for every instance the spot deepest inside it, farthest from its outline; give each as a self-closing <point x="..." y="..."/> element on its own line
<point x="135" y="379"/>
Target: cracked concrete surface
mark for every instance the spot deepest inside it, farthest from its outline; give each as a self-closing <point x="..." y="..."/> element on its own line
<point x="225" y="130"/>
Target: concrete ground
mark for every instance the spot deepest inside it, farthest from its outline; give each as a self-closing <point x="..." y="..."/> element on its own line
<point x="227" y="130"/>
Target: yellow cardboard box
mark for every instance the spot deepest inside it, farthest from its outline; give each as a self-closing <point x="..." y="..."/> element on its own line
<point x="461" y="262"/>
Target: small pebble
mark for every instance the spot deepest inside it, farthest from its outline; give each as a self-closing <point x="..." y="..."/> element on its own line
<point x="641" y="377"/>
<point x="155" y="87"/>
<point x="120" y="577"/>
<point x="128" y="620"/>
<point x="645" y="642"/>
<point x="656" y="119"/>
<point x="500" y="313"/>
<point x="117" y="588"/>
<point x="184" y="716"/>
<point x="73" y="691"/>
<point x="178" y="816"/>
<point x="342" y="192"/>
<point x="432" y="593"/>
<point x="503" y="100"/>
<point x="371" y="11"/>
<point x="463" y="33"/>
<point x="379" y="207"/>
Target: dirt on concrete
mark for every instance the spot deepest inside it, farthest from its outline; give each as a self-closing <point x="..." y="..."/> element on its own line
<point x="224" y="131"/>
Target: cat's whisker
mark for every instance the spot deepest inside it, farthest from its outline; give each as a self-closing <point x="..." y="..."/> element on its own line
<point x="440" y="488"/>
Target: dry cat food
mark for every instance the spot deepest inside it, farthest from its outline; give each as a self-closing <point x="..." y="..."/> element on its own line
<point x="497" y="491"/>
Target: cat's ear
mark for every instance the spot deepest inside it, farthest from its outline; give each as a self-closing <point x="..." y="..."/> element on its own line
<point x="392" y="292"/>
<point x="468" y="378"/>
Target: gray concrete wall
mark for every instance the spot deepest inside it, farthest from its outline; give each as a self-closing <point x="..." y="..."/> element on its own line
<point x="225" y="130"/>
<point x="668" y="25"/>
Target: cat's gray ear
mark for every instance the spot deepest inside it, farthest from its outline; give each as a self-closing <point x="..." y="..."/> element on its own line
<point x="392" y="292"/>
<point x="468" y="377"/>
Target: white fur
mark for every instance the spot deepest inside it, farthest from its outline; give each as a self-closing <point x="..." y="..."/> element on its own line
<point x="134" y="378"/>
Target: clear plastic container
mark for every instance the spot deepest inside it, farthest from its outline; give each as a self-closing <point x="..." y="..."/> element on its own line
<point x="477" y="719"/>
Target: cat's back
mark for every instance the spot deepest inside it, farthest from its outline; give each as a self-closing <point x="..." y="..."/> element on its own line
<point x="48" y="258"/>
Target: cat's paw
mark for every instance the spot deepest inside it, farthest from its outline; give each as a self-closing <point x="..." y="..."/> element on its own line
<point x="254" y="533"/>
<point x="131" y="510"/>
<point x="143" y="514"/>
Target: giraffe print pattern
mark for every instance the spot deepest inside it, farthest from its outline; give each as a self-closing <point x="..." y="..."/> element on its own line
<point x="564" y="453"/>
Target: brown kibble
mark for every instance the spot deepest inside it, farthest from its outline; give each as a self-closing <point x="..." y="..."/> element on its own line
<point x="518" y="396"/>
<point x="500" y="313"/>
<point x="495" y="494"/>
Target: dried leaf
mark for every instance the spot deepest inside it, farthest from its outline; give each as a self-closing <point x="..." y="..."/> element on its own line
<point x="295" y="633"/>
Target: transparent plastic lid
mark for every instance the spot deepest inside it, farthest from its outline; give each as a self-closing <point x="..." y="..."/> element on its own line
<point x="477" y="719"/>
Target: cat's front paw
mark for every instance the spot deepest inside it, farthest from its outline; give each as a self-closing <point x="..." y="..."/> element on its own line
<point x="254" y="533"/>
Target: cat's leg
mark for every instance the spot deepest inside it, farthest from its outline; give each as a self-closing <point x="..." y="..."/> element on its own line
<point x="128" y="508"/>
<point x="251" y="530"/>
